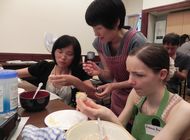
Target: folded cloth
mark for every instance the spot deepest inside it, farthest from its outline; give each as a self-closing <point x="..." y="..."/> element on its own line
<point x="31" y="132"/>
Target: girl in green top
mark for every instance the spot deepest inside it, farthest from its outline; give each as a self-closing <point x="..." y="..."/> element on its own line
<point x="158" y="114"/>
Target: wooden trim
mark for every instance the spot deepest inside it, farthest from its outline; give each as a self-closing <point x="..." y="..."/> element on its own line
<point x="166" y="8"/>
<point x="23" y="56"/>
<point x="30" y="57"/>
<point x="144" y="23"/>
<point x="27" y="57"/>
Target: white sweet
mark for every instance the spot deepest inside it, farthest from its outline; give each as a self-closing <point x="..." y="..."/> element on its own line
<point x="81" y="95"/>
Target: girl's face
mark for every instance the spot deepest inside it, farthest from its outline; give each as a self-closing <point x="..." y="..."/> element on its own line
<point x="104" y="34"/>
<point x="64" y="56"/>
<point x="142" y="78"/>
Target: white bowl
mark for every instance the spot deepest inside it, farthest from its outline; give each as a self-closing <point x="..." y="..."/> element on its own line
<point x="88" y="130"/>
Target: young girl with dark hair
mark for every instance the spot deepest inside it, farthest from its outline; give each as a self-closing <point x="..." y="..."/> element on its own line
<point x="64" y="75"/>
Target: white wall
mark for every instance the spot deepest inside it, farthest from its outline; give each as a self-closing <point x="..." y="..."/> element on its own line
<point x="155" y="3"/>
<point x="133" y="6"/>
<point x="23" y="23"/>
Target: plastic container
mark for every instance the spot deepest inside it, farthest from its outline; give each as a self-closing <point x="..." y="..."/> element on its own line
<point x="8" y="93"/>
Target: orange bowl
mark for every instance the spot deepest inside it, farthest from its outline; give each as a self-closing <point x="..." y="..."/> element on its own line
<point x="39" y="103"/>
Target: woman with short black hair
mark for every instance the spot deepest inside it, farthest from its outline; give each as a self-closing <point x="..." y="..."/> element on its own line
<point x="113" y="42"/>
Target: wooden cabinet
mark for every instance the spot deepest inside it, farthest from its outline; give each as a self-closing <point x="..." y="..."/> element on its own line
<point x="186" y="22"/>
<point x="178" y="22"/>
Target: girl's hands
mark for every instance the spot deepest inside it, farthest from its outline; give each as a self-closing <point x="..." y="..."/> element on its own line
<point x="91" y="68"/>
<point x="61" y="80"/>
<point x="104" y="90"/>
<point x="92" y="110"/>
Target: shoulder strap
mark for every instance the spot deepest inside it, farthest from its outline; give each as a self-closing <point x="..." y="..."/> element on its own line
<point x="171" y="103"/>
<point x="163" y="103"/>
<point x="128" y="38"/>
<point x="141" y="102"/>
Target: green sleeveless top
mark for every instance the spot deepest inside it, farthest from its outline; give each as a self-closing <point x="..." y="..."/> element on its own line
<point x="145" y="127"/>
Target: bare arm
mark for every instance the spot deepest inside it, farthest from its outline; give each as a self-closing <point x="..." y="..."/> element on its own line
<point x="120" y="85"/>
<point x="125" y="115"/>
<point x="177" y="123"/>
<point x="107" y="88"/>
<point x="26" y="86"/>
<point x="22" y="73"/>
<point x="181" y="74"/>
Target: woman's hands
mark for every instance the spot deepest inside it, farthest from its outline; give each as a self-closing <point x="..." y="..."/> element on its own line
<point x="93" y="110"/>
<point x="104" y="90"/>
<point x="61" y="80"/>
<point x="91" y="68"/>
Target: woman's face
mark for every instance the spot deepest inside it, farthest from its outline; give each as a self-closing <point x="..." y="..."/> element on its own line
<point x="142" y="78"/>
<point x="104" y="34"/>
<point x="64" y="56"/>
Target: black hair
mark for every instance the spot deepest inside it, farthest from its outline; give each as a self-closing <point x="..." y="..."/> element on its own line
<point x="171" y="39"/>
<point x="183" y="38"/>
<point x="154" y="57"/>
<point x="106" y="13"/>
<point x="65" y="41"/>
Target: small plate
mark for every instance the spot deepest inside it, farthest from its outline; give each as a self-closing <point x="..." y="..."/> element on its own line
<point x="88" y="130"/>
<point x="64" y="119"/>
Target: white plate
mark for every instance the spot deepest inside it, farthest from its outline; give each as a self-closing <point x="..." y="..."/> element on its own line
<point x="64" y="119"/>
<point x="88" y="130"/>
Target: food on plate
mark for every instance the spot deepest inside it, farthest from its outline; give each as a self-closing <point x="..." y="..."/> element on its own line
<point x="81" y="95"/>
<point x="53" y="121"/>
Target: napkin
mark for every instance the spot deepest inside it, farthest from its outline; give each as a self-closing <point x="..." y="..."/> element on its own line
<point x="31" y="132"/>
<point x="21" y="124"/>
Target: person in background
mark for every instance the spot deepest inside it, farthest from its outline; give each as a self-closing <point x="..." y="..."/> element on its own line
<point x="113" y="43"/>
<point x="171" y="42"/>
<point x="185" y="50"/>
<point x="65" y="72"/>
<point x="158" y="114"/>
<point x="184" y="38"/>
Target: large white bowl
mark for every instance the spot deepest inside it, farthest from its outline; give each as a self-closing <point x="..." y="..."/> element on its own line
<point x="88" y="130"/>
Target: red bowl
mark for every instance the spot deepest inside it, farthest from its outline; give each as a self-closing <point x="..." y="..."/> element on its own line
<point x="39" y="103"/>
